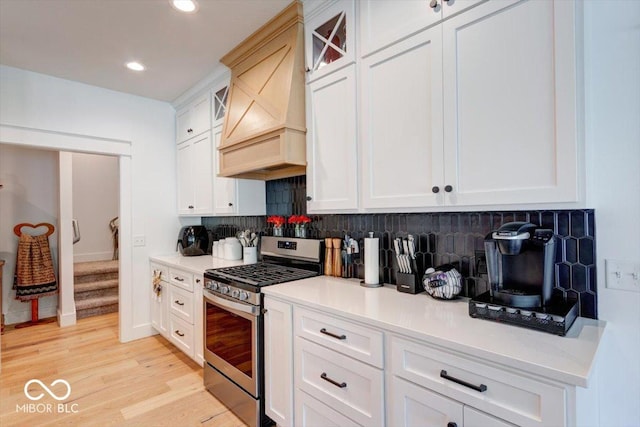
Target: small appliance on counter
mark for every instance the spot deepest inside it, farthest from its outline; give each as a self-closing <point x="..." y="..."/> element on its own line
<point x="520" y="264"/>
<point x="193" y="240"/>
<point x="443" y="282"/>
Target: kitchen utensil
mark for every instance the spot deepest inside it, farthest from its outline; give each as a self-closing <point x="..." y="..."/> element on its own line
<point x="328" y="256"/>
<point x="337" y="257"/>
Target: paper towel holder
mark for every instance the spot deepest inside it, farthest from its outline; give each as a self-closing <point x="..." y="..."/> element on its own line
<point x="363" y="283"/>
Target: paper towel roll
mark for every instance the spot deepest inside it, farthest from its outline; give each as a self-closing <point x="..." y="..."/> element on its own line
<point x="371" y="260"/>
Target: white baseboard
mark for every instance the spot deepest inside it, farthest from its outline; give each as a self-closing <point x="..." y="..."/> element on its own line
<point x="68" y="319"/>
<point x="93" y="256"/>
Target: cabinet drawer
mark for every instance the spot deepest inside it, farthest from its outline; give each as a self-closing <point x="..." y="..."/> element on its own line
<point x="512" y="397"/>
<point x="162" y="269"/>
<point x="312" y="413"/>
<point x="181" y="303"/>
<point x="181" y="334"/>
<point x="357" y="341"/>
<point x="350" y="387"/>
<point x="181" y="279"/>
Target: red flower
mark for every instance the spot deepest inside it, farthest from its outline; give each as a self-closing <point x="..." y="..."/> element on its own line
<point x="299" y="219"/>
<point x="276" y="220"/>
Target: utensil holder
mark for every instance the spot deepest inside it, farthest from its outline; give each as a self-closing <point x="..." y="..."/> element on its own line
<point x="249" y="255"/>
<point x="409" y="283"/>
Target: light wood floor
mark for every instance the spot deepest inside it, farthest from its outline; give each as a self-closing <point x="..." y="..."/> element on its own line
<point x="147" y="382"/>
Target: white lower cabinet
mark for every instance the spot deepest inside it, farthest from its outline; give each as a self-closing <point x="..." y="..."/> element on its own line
<point x="326" y="370"/>
<point x="278" y="362"/>
<point x="176" y="312"/>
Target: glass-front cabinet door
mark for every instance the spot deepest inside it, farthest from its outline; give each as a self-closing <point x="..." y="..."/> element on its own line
<point x="219" y="98"/>
<point x="329" y="30"/>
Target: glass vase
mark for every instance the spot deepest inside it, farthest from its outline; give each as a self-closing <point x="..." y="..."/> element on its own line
<point x="278" y="231"/>
<point x="301" y="231"/>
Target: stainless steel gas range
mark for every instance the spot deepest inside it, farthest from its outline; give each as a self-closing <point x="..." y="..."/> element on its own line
<point x="233" y="321"/>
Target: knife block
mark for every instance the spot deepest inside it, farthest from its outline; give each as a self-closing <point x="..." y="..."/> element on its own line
<point x="409" y="283"/>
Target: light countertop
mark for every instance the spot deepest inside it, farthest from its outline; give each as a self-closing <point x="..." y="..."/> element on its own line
<point x="193" y="264"/>
<point x="568" y="359"/>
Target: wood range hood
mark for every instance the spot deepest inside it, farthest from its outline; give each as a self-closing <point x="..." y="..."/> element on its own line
<point x="264" y="130"/>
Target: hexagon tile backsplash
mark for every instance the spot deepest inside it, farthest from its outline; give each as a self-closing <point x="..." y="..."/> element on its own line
<point x="452" y="237"/>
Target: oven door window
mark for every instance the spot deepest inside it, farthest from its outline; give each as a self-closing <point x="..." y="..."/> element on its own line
<point x="230" y="337"/>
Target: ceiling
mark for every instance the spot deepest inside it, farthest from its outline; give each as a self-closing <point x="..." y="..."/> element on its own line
<point x="91" y="40"/>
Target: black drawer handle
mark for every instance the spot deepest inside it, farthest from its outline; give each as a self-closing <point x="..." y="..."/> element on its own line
<point x="178" y="333"/>
<point x="179" y="279"/>
<point x="480" y="388"/>
<point x="334" y="382"/>
<point x="331" y="334"/>
<point x="178" y="302"/>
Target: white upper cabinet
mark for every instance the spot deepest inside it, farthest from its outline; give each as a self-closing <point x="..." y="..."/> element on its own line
<point x="195" y="176"/>
<point x="332" y="163"/>
<point x="401" y="123"/>
<point x="510" y="104"/>
<point x="384" y="22"/>
<point x="329" y="37"/>
<point x="219" y="104"/>
<point x="193" y="119"/>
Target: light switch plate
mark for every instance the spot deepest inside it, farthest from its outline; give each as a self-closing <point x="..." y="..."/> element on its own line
<point x="623" y="275"/>
<point x="139" y="240"/>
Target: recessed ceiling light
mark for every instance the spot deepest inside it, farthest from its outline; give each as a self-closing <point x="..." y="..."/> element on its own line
<point x="187" y="6"/>
<point x="135" y="66"/>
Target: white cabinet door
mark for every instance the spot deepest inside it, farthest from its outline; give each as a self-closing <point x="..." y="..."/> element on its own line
<point x="225" y="189"/>
<point x="329" y="38"/>
<point x="332" y="164"/>
<point x="198" y="326"/>
<point x="182" y="125"/>
<point x="413" y="406"/>
<point x="474" y="418"/>
<point x="312" y="413"/>
<point x="384" y="22"/>
<point x="159" y="301"/>
<point x="278" y="362"/>
<point x="509" y="103"/>
<point x="219" y="96"/>
<point x="401" y="123"/>
<point x="202" y="164"/>
<point x="200" y="120"/>
<point x="186" y="203"/>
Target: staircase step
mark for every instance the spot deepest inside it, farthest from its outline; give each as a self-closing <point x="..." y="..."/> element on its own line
<point x="95" y="306"/>
<point x="95" y="289"/>
<point x="92" y="271"/>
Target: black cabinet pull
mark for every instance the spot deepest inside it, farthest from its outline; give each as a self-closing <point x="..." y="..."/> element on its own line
<point x="230" y="204"/>
<point x="480" y="388"/>
<point x="448" y="188"/>
<point x="180" y="334"/>
<point x="190" y="207"/>
<point x="435" y="189"/>
<point x="309" y="198"/>
<point x="331" y="334"/>
<point x="178" y="302"/>
<point x="179" y="279"/>
<point x="451" y="424"/>
<point x="334" y="382"/>
<point x="197" y="280"/>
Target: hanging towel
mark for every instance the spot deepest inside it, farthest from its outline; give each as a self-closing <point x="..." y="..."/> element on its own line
<point x="34" y="276"/>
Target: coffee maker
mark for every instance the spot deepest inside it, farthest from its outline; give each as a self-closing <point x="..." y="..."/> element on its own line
<point x="520" y="264"/>
<point x="520" y="259"/>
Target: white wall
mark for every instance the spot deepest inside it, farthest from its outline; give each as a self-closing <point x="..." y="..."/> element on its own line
<point x="95" y="203"/>
<point x="36" y="101"/>
<point x="612" y="100"/>
<point x="30" y="194"/>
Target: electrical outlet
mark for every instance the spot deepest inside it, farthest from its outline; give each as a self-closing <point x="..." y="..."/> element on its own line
<point x="623" y="275"/>
<point x="139" y="240"/>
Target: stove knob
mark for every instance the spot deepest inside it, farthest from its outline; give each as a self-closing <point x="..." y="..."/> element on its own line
<point x="214" y="286"/>
<point x="243" y="296"/>
<point x="224" y="289"/>
<point x="234" y="293"/>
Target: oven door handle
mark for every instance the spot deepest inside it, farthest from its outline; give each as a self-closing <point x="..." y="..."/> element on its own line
<point x="232" y="305"/>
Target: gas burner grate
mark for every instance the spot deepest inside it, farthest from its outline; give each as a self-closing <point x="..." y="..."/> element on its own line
<point x="262" y="274"/>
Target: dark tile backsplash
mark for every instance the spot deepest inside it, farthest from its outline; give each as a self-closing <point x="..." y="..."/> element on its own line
<point x="452" y="237"/>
